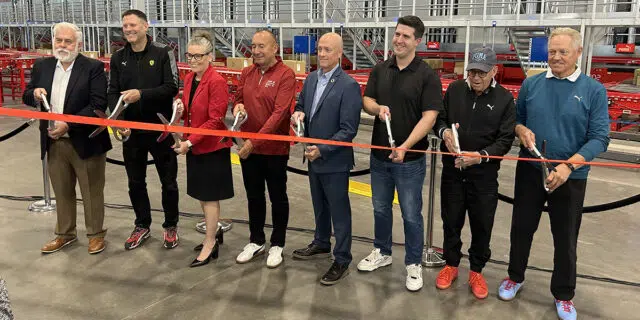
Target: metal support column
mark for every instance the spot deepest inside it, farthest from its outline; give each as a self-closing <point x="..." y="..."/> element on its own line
<point x="430" y="257"/>
<point x="386" y="43"/>
<point x="466" y="47"/>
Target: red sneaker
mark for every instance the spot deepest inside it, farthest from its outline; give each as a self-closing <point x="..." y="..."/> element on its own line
<point x="446" y="277"/>
<point x="171" y="237"/>
<point x="136" y="238"/>
<point x="478" y="285"/>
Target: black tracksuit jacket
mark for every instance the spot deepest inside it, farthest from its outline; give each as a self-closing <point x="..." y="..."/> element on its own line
<point x="487" y="121"/>
<point x="154" y="72"/>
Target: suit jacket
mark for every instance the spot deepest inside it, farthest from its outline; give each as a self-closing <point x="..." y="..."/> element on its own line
<point x="337" y="118"/>
<point x="207" y="110"/>
<point x="86" y="92"/>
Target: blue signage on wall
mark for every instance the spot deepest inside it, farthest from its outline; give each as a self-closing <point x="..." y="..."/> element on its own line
<point x="539" y="49"/>
<point x="301" y="44"/>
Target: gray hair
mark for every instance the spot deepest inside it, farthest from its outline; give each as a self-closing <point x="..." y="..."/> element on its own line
<point x="68" y="25"/>
<point x="202" y="38"/>
<point x="576" y="38"/>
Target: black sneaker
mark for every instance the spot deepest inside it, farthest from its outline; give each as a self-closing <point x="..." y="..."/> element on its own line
<point x="335" y="273"/>
<point x="312" y="251"/>
<point x="171" y="237"/>
<point x="138" y="236"/>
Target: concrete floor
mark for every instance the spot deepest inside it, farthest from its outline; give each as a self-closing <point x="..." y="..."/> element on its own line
<point x="154" y="283"/>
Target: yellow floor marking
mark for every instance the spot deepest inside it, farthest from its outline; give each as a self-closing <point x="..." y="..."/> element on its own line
<point x="355" y="187"/>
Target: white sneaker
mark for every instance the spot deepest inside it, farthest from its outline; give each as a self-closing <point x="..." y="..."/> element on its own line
<point x="374" y="261"/>
<point x="414" y="277"/>
<point x="275" y="257"/>
<point x="249" y="252"/>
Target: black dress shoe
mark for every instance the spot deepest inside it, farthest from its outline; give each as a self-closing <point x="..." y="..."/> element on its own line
<point x="219" y="239"/>
<point x="312" y="251"/>
<point x="213" y="255"/>
<point x="335" y="273"/>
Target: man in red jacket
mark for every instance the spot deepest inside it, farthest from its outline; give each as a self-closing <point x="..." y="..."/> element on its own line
<point x="266" y="93"/>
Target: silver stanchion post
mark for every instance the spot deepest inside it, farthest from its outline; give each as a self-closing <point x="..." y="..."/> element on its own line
<point x="45" y="205"/>
<point x="430" y="257"/>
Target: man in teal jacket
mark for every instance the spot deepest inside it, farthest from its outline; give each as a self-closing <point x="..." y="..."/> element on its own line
<point x="568" y="110"/>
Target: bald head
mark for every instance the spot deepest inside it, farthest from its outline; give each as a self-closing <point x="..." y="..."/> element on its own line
<point x="329" y="51"/>
<point x="264" y="48"/>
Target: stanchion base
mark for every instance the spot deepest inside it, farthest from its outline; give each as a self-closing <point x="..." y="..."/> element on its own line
<point x="224" y="224"/>
<point x="432" y="258"/>
<point x="41" y="206"/>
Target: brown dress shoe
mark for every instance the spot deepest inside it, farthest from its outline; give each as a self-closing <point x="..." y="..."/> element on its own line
<point x="57" y="244"/>
<point x="96" y="245"/>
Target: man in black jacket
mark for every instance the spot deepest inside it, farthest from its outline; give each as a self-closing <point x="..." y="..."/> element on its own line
<point x="145" y="73"/>
<point x="77" y="85"/>
<point x="484" y="114"/>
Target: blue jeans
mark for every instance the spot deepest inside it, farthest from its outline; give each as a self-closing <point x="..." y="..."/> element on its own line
<point x="408" y="178"/>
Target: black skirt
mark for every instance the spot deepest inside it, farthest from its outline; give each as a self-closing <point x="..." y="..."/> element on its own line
<point x="209" y="176"/>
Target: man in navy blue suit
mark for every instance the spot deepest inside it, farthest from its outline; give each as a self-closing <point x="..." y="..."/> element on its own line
<point x="329" y="105"/>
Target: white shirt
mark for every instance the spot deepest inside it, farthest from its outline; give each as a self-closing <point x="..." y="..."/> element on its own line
<point x="59" y="87"/>
<point x="573" y="77"/>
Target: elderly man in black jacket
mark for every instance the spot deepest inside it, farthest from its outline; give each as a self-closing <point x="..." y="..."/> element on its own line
<point x="483" y="113"/>
<point x="145" y="73"/>
<point x="77" y="85"/>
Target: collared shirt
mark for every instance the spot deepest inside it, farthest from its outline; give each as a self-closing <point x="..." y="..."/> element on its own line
<point x="59" y="87"/>
<point x="323" y="80"/>
<point x="407" y="93"/>
<point x="572" y="77"/>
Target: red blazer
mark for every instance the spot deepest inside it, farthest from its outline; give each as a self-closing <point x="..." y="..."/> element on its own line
<point x="207" y="110"/>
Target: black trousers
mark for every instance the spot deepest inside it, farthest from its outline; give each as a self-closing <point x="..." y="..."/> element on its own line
<point x="565" y="214"/>
<point x="135" y="153"/>
<point x="257" y="169"/>
<point x="473" y="190"/>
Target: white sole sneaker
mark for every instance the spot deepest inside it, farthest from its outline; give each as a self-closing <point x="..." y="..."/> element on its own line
<point x="369" y="268"/>
<point x="256" y="254"/>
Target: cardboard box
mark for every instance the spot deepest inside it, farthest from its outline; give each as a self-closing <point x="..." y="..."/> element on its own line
<point x="91" y="54"/>
<point x="636" y="77"/>
<point x="434" y="63"/>
<point x="534" y="71"/>
<point x="459" y="68"/>
<point x="218" y="64"/>
<point x="238" y="63"/>
<point x="299" y="67"/>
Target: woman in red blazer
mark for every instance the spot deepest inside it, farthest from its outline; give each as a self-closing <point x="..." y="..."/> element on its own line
<point x="209" y="177"/>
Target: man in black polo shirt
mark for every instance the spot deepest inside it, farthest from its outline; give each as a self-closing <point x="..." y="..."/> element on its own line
<point x="407" y="91"/>
<point x="486" y="114"/>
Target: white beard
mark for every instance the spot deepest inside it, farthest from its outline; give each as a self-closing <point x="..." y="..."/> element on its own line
<point x="65" y="56"/>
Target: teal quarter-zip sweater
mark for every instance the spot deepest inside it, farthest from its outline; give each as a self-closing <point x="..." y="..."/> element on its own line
<point x="571" y="115"/>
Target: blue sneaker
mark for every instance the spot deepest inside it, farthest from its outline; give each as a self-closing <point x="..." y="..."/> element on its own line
<point x="508" y="289"/>
<point x="566" y="310"/>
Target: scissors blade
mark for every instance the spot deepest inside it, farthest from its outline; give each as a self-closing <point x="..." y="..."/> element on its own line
<point x="176" y="136"/>
<point x="98" y="130"/>
<point x="539" y="155"/>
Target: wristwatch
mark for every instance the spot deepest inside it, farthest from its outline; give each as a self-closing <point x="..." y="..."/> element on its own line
<point x="571" y="167"/>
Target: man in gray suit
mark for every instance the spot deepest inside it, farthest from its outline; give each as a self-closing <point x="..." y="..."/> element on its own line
<point x="329" y="105"/>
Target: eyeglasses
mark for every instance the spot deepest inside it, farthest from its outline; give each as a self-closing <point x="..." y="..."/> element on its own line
<point x="562" y="53"/>
<point x="196" y="56"/>
<point x="473" y="73"/>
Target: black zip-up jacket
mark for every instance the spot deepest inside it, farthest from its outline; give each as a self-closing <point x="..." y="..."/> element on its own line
<point x="153" y="71"/>
<point x="487" y="121"/>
